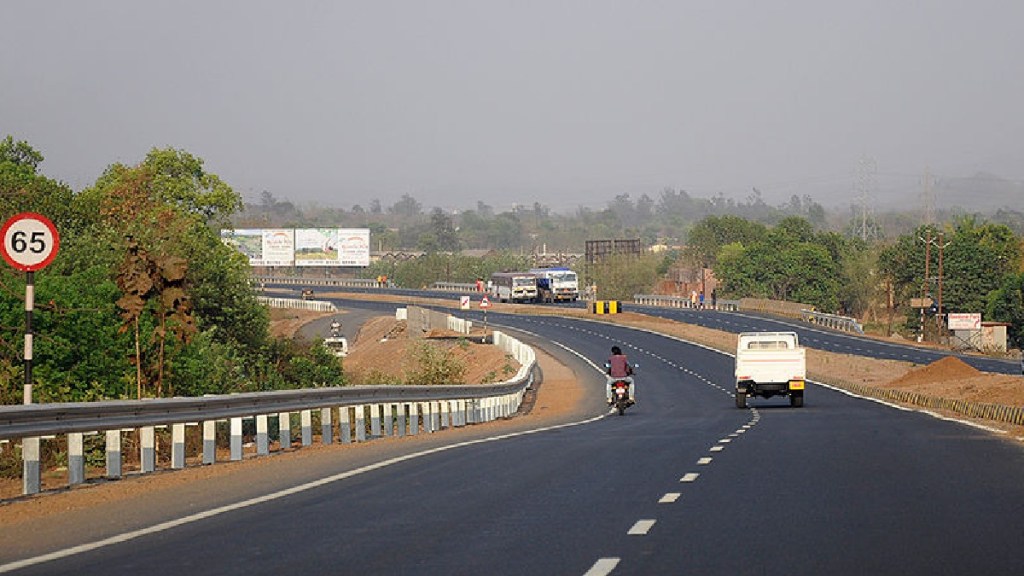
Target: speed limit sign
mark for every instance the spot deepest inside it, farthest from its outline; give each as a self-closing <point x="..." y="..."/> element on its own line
<point x="30" y="241"/>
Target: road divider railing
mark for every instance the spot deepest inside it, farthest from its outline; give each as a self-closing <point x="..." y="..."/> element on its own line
<point x="664" y="301"/>
<point x="346" y="413"/>
<point x="325" y="282"/>
<point x="834" y="321"/>
<point x="314" y="305"/>
<point x="455" y="286"/>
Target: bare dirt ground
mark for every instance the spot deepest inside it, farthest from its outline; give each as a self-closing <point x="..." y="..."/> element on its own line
<point x="383" y="346"/>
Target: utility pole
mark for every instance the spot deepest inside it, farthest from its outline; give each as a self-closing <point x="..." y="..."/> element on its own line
<point x="925" y="283"/>
<point x="938" y="312"/>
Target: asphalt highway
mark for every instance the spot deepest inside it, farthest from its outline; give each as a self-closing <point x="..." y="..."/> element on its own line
<point x="684" y="483"/>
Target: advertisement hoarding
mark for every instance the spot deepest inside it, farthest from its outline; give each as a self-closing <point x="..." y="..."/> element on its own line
<point x="964" y="320"/>
<point x="301" y="247"/>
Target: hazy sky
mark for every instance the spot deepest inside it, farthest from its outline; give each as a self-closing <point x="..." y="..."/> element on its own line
<point x="562" y="103"/>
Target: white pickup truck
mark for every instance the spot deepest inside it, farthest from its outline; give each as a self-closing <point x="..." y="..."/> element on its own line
<point x="770" y="364"/>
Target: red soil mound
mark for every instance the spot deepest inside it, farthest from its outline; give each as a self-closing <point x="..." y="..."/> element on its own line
<point x="949" y="368"/>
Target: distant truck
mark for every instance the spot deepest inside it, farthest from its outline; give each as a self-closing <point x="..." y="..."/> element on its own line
<point x="514" y="286"/>
<point x="770" y="364"/>
<point x="336" y="345"/>
<point x="557" y="284"/>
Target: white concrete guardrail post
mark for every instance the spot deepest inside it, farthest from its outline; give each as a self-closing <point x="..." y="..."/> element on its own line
<point x="31" y="473"/>
<point x="414" y="418"/>
<point x="307" y="427"/>
<point x="113" y="454"/>
<point x="446" y="408"/>
<point x="178" y="445"/>
<point x="435" y="416"/>
<point x="401" y="420"/>
<point x="236" y="439"/>
<point x="389" y="421"/>
<point x="326" y="426"/>
<point x="345" y="424"/>
<point x="262" y="434"/>
<point x="284" y="429"/>
<point x="76" y="458"/>
<point x="360" y="423"/>
<point x="148" y="442"/>
<point x="375" y="420"/>
<point x="209" y="442"/>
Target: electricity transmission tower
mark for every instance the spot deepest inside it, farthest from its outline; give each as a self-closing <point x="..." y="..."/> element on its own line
<point x="867" y="185"/>
<point x="928" y="197"/>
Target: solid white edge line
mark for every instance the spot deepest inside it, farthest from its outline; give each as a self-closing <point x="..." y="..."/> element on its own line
<point x="603" y="567"/>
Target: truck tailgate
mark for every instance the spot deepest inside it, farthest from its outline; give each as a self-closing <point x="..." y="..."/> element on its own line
<point x="771" y="365"/>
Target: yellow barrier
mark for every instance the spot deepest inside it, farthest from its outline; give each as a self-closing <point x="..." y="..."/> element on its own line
<point x="606" y="307"/>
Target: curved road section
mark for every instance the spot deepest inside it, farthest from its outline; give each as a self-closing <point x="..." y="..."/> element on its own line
<point x="684" y="483"/>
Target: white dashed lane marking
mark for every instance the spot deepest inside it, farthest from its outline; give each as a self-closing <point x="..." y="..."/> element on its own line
<point x="602" y="567"/>
<point x="669" y="498"/>
<point x="689" y="477"/>
<point x="641" y="528"/>
<point x="704" y="461"/>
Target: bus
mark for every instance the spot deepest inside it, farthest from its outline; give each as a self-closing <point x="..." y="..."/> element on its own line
<point x="514" y="286"/>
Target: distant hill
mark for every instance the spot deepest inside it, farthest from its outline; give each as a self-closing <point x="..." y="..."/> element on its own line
<point x="979" y="193"/>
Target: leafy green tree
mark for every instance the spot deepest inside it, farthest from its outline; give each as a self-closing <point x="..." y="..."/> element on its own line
<point x="23" y="189"/>
<point x="1006" y="304"/>
<point x="709" y="235"/>
<point x="975" y="262"/>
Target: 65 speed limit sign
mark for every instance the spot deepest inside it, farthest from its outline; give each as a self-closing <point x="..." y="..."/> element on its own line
<point x="30" y="241"/>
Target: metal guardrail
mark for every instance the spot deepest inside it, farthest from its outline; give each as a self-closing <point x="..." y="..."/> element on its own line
<point x="336" y="282"/>
<point x="683" y="302"/>
<point x="315" y="305"/>
<point x="834" y="321"/>
<point x="455" y="286"/>
<point x="828" y="320"/>
<point x="381" y="410"/>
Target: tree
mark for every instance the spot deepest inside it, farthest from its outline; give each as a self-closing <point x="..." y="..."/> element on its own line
<point x="407" y="206"/>
<point x="1006" y="304"/>
<point x="20" y="153"/>
<point x="709" y="235"/>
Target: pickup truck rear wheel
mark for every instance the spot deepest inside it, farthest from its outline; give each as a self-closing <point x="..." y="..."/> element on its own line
<point x="741" y="400"/>
<point x="796" y="400"/>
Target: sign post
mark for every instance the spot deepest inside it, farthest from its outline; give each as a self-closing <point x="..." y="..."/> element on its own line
<point x="484" y="305"/>
<point x="30" y="243"/>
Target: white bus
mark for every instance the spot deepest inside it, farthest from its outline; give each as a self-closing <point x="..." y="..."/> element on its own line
<point x="514" y="286"/>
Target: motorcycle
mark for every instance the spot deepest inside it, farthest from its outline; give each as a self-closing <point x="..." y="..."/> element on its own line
<point x="335" y="329"/>
<point x="621" y="398"/>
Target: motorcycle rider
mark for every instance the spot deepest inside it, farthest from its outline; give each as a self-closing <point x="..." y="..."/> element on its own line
<point x="619" y="368"/>
<point x="335" y="328"/>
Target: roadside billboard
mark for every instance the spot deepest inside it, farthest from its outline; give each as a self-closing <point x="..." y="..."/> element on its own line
<point x="263" y="247"/>
<point x="301" y="247"/>
<point x="964" y="320"/>
<point x="354" y="246"/>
